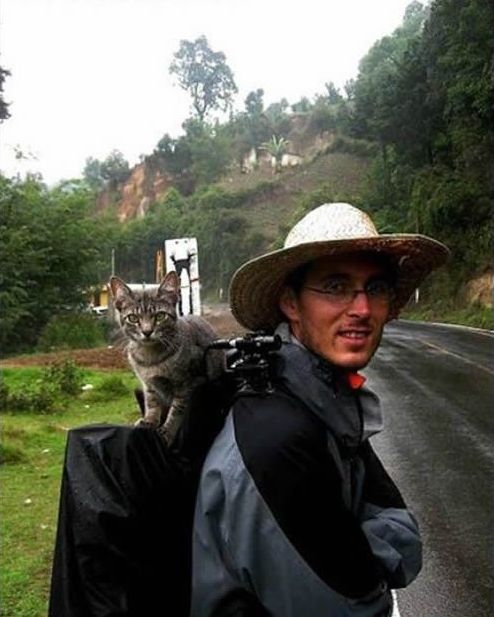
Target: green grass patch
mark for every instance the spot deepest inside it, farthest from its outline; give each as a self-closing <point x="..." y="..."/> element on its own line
<point x="473" y="316"/>
<point x="32" y="452"/>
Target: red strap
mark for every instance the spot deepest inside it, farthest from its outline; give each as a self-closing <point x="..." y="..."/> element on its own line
<point x="355" y="381"/>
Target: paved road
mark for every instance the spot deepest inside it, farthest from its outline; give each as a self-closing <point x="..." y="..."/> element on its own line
<point x="436" y="384"/>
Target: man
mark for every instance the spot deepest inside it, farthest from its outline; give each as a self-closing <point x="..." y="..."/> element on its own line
<point x="181" y="256"/>
<point x="295" y="515"/>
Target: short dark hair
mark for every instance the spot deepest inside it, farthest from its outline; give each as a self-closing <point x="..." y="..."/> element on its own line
<point x="296" y="279"/>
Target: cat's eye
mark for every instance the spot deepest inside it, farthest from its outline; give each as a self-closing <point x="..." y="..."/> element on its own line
<point x="161" y="316"/>
<point x="132" y="318"/>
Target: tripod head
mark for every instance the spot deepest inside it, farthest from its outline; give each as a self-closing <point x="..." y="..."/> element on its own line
<point x="250" y="363"/>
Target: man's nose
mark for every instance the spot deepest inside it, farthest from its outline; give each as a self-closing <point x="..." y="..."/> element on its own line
<point x="360" y="304"/>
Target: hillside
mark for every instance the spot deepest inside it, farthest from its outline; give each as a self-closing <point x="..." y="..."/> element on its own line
<point x="275" y="200"/>
<point x="267" y="201"/>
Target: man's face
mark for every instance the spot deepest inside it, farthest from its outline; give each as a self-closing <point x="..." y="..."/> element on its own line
<point x="346" y="333"/>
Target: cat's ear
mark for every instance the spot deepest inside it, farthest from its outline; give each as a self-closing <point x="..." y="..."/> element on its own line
<point x="119" y="291"/>
<point x="170" y="285"/>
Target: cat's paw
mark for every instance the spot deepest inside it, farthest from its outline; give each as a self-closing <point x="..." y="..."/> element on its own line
<point x="165" y="434"/>
<point x="143" y="423"/>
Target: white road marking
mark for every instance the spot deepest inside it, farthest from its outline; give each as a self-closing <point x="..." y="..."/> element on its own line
<point x="396" y="610"/>
<point x="451" y="325"/>
<point x="456" y="355"/>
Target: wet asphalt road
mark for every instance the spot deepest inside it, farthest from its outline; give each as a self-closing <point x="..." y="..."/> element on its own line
<point x="436" y="385"/>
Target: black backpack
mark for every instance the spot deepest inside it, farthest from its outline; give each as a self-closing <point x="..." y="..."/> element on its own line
<point x="123" y="544"/>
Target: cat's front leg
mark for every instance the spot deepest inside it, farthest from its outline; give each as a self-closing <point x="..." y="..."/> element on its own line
<point x="153" y="407"/>
<point x="175" y="417"/>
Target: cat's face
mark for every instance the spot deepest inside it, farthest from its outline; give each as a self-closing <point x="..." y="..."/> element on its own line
<point x="147" y="316"/>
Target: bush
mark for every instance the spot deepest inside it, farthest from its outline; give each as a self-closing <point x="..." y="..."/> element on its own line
<point x="64" y="376"/>
<point x="72" y="331"/>
<point x="37" y="398"/>
<point x="46" y="394"/>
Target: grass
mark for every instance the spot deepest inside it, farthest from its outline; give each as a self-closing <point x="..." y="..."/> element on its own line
<point x="33" y="448"/>
<point x="473" y="316"/>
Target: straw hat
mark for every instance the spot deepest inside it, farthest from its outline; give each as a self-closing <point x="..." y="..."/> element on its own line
<point x="331" y="229"/>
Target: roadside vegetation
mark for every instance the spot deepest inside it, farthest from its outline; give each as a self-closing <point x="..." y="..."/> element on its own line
<point x="410" y="140"/>
<point x="34" y="431"/>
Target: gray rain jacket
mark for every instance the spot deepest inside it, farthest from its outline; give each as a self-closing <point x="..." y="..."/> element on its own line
<point x="295" y="508"/>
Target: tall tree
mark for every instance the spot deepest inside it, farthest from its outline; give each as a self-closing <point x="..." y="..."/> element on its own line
<point x="205" y="75"/>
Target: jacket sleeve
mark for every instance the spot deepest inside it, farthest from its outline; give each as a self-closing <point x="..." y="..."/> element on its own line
<point x="392" y="531"/>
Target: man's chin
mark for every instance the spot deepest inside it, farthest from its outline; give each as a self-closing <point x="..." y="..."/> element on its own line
<point x="349" y="362"/>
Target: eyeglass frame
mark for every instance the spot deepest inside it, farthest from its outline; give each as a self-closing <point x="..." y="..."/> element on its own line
<point x="353" y="293"/>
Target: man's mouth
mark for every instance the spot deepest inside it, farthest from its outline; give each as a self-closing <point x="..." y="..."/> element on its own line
<point x="354" y="334"/>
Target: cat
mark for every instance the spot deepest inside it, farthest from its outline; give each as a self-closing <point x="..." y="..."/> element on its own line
<point x="166" y="352"/>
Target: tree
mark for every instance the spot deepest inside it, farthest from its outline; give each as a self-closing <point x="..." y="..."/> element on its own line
<point x="4" y="107"/>
<point x="277" y="147"/>
<point x="278" y="118"/>
<point x="251" y="127"/>
<point x="92" y="174"/>
<point x="204" y="74"/>
<point x="210" y="150"/>
<point x="108" y="173"/>
<point x="115" y="169"/>
<point x="49" y="250"/>
<point x="333" y="93"/>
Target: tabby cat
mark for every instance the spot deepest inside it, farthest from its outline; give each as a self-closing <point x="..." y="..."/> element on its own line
<point x="166" y="352"/>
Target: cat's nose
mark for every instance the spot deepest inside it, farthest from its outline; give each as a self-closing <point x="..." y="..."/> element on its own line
<point x="147" y="333"/>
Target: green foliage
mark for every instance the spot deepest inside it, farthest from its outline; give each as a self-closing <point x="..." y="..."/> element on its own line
<point x="92" y="174"/>
<point x="205" y="75"/>
<point x="333" y="93"/>
<point x="422" y="94"/>
<point x="72" y="331"/>
<point x="45" y="394"/>
<point x="322" y="117"/>
<point x="50" y="255"/>
<point x="108" y="173"/>
<point x="109" y="388"/>
<point x="277" y="147"/>
<point x="33" y="449"/>
<point x="34" y="398"/>
<point x="303" y="106"/>
<point x="197" y="158"/>
<point x="250" y="128"/>
<point x="66" y="376"/>
<point x="279" y="122"/>
<point x="210" y="150"/>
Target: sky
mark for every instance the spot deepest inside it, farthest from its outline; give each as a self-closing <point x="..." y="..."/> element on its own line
<point x="91" y="76"/>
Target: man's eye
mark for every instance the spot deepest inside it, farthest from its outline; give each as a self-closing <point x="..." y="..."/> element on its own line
<point x="132" y="318"/>
<point x="378" y="289"/>
<point x="161" y="316"/>
<point x="335" y="288"/>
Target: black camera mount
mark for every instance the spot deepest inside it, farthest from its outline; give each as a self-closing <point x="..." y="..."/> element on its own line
<point x="249" y="363"/>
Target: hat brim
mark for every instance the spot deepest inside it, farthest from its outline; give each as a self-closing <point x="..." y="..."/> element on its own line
<point x="256" y="286"/>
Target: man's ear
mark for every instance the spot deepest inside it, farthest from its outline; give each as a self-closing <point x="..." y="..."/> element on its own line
<point x="289" y="304"/>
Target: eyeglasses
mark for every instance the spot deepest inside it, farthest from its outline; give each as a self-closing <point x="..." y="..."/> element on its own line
<point x="341" y="293"/>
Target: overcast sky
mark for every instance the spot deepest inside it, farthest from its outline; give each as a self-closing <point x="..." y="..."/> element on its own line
<point x="90" y="76"/>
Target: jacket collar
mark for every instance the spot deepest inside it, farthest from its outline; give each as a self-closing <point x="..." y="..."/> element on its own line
<point x="350" y="415"/>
